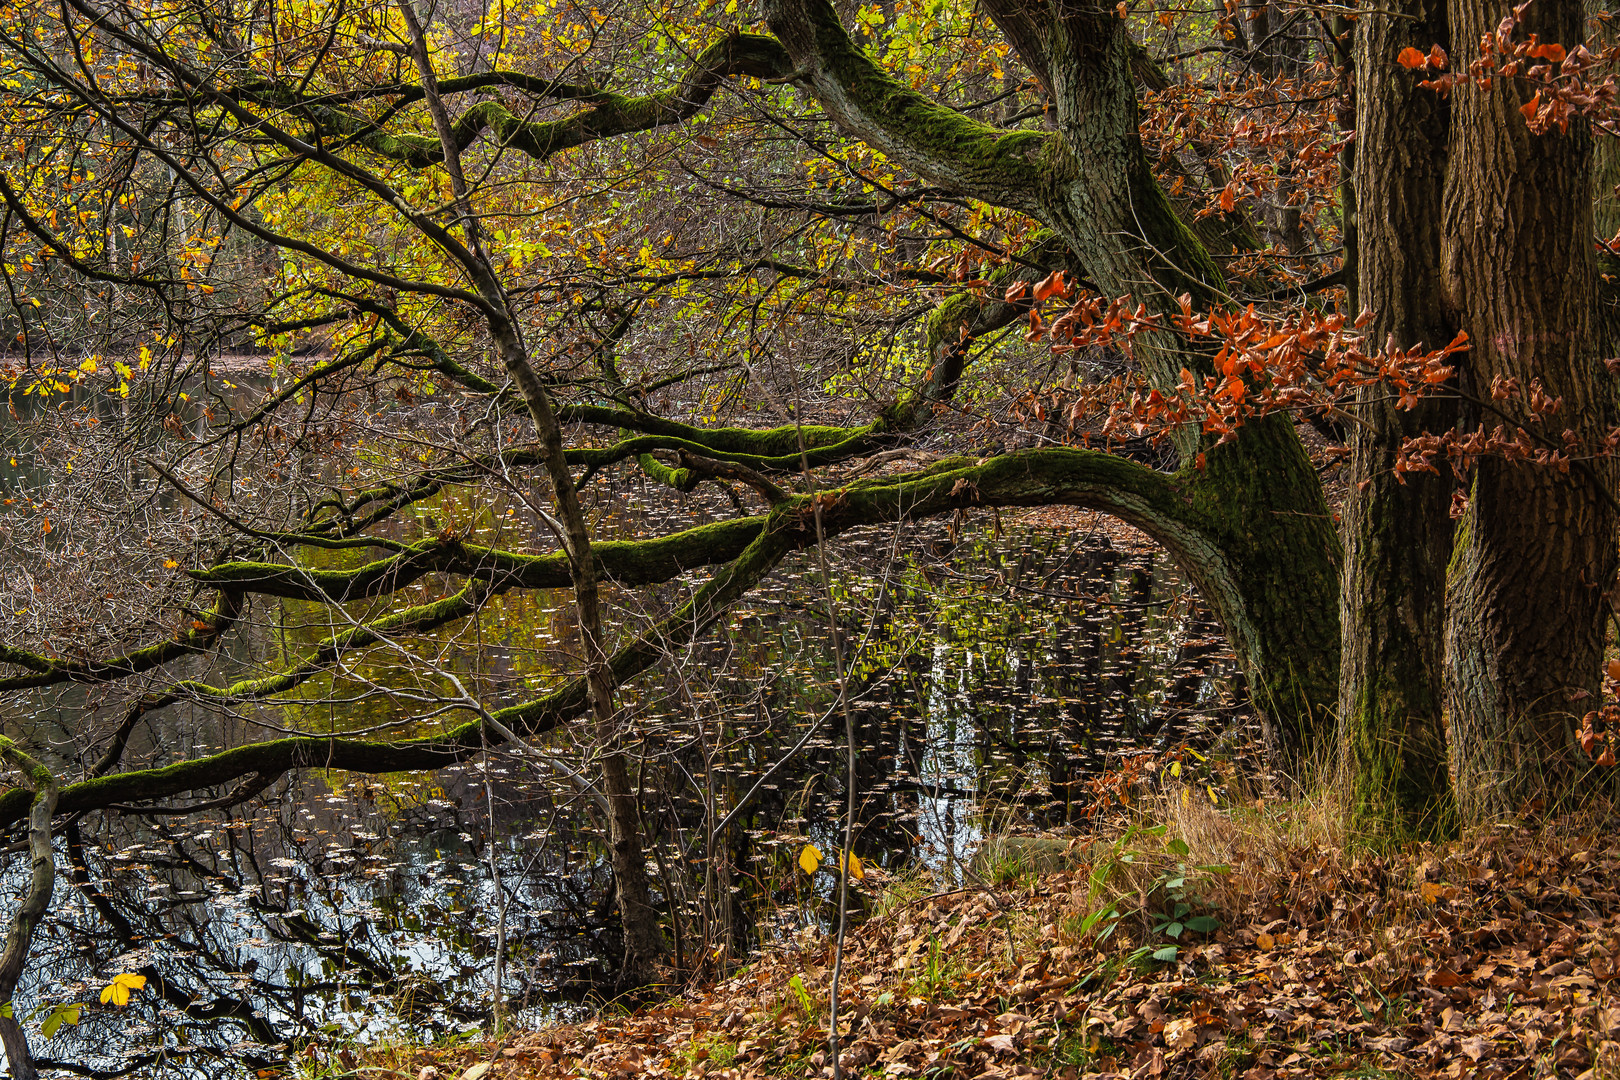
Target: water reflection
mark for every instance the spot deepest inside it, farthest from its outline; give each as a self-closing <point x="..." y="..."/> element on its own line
<point x="991" y="676"/>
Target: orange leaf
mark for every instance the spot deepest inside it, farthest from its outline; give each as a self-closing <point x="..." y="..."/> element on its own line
<point x="1550" y="51"/>
<point x="1228" y="199"/>
<point x="1410" y="58"/>
<point x="1529" y="108"/>
<point x="1437" y="58"/>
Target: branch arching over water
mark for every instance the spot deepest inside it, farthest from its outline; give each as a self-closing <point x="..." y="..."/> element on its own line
<point x="1147" y="499"/>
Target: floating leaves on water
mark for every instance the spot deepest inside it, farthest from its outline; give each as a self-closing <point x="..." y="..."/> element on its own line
<point x="123" y="984"/>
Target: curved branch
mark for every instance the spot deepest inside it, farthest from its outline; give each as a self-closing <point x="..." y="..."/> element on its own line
<point x="1152" y="501"/>
<point x="629" y="562"/>
<point x="51" y="671"/>
<point x="999" y="166"/>
<point x="610" y="114"/>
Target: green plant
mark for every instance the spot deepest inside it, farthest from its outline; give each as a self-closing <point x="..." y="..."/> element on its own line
<point x="1173" y="886"/>
<point x="718" y="1051"/>
<point x="1104" y="918"/>
<point x="1177" y="917"/>
<point x="934" y="976"/>
<point x="807" y="1003"/>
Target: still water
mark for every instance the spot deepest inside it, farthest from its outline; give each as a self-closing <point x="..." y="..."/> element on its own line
<point x="991" y="677"/>
<point x="994" y="668"/>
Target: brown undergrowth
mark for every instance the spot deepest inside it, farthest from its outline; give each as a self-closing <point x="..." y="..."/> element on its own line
<point x="1494" y="958"/>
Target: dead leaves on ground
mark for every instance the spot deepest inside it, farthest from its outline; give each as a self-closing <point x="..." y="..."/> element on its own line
<point x="1494" y="961"/>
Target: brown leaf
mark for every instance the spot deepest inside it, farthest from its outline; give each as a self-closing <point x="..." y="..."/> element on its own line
<point x="1443" y="977"/>
<point x="1181" y="1034"/>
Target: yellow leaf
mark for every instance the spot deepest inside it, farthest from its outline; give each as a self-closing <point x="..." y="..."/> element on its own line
<point x="119" y="989"/>
<point x="1265" y="941"/>
<point x="810" y="858"/>
<point x="856" y="870"/>
<point x="169" y="564"/>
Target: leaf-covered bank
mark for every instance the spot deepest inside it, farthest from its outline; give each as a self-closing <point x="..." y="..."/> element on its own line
<point x="1491" y="958"/>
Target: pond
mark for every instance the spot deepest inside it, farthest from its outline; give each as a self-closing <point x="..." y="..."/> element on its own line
<point x="994" y="669"/>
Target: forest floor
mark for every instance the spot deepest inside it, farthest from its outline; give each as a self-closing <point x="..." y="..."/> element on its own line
<point x="1497" y="957"/>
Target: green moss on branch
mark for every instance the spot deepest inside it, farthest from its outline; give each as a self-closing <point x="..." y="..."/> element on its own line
<point x="628" y="562"/>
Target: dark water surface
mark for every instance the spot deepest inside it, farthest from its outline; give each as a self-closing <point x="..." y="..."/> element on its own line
<point x="993" y="671"/>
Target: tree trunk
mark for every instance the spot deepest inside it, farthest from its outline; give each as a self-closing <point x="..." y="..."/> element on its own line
<point x="1603" y="25"/>
<point x="1397" y="529"/>
<point x="1535" y="557"/>
<point x="1259" y="497"/>
<point x="35" y="902"/>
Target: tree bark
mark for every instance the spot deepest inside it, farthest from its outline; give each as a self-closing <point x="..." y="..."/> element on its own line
<point x="1397" y="529"/>
<point x="36" y="900"/>
<point x="1535" y="559"/>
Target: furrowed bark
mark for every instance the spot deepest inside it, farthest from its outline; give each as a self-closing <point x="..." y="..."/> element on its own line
<point x="1534" y="565"/>
<point x="1397" y="528"/>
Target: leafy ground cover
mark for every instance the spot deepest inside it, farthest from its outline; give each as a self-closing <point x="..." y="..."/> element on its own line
<point x="1493" y="958"/>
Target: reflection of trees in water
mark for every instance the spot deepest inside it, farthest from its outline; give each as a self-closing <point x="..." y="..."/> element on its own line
<point x="254" y="936"/>
<point x="990" y="679"/>
<point x="990" y="686"/>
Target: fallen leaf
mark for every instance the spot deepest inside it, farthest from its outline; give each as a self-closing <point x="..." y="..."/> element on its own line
<point x="1181" y="1034"/>
<point x="1002" y="1044"/>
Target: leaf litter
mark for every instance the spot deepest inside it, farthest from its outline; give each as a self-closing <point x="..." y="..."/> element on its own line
<point x="1494" y="959"/>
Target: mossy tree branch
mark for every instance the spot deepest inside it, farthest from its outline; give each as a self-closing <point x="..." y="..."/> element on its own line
<point x="609" y="114"/>
<point x="628" y="562"/>
<point x="53" y="671"/>
<point x="998" y="166"/>
<point x="1153" y="501"/>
